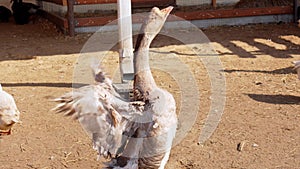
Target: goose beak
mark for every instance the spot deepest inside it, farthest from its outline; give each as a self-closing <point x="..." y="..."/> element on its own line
<point x="167" y="10"/>
<point x="15" y="120"/>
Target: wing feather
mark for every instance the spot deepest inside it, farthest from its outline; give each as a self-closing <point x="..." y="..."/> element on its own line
<point x="104" y="116"/>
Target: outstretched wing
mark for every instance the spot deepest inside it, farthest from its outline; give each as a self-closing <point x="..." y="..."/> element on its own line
<point x="102" y="115"/>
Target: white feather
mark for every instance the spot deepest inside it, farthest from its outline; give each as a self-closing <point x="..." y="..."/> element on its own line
<point x="9" y="113"/>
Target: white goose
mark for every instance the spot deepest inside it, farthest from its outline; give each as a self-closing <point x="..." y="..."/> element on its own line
<point x="150" y="145"/>
<point x="9" y="113"/>
<point x="135" y="134"/>
<point x="161" y="129"/>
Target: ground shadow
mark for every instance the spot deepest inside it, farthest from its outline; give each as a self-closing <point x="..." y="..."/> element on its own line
<point x="287" y="70"/>
<point x="275" y="99"/>
<point x="56" y="85"/>
<point x="248" y="35"/>
<point x="20" y="42"/>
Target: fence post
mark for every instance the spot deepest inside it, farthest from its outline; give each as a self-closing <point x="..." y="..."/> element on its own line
<point x="214" y="3"/>
<point x="70" y="15"/>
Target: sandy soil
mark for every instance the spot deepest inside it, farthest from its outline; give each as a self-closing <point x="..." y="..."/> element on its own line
<point x="262" y="99"/>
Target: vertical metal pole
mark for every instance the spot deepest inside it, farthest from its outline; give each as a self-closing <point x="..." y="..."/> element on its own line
<point x="70" y="15"/>
<point x="125" y="40"/>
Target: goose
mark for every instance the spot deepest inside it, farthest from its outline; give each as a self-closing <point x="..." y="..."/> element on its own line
<point x="297" y="67"/>
<point x="9" y="113"/>
<point x="150" y="145"/>
<point x="133" y="134"/>
<point x="163" y="124"/>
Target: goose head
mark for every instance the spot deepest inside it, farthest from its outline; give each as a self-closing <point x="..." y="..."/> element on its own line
<point x="7" y="120"/>
<point x="156" y="20"/>
<point x="9" y="113"/>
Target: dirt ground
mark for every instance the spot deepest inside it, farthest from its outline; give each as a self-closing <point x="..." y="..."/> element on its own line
<point x="262" y="99"/>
